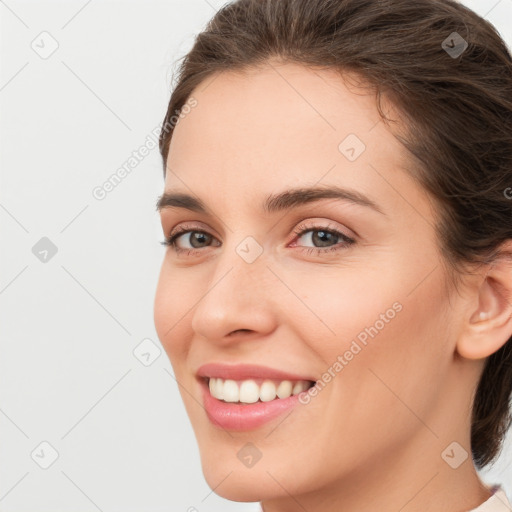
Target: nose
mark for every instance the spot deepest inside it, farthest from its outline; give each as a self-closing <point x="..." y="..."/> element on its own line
<point x="238" y="298"/>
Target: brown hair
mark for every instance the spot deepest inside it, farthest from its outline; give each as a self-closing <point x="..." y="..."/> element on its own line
<point x="457" y="110"/>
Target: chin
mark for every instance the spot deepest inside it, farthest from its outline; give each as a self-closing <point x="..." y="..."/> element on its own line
<point x="237" y="484"/>
<point x="267" y="479"/>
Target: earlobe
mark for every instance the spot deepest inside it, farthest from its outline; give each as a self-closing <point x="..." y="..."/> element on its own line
<point x="490" y="324"/>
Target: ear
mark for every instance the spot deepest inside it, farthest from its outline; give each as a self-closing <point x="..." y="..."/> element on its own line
<point x="489" y="324"/>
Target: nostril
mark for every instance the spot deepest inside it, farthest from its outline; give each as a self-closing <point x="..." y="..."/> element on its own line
<point x="239" y="330"/>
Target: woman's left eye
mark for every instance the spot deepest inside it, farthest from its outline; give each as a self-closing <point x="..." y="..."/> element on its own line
<point x="323" y="236"/>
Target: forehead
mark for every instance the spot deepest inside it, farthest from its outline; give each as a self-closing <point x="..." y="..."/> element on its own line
<point x="280" y="125"/>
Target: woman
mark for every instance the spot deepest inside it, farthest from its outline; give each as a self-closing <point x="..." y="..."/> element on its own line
<point x="336" y="295"/>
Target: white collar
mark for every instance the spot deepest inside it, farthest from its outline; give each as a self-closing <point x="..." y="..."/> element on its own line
<point x="498" y="502"/>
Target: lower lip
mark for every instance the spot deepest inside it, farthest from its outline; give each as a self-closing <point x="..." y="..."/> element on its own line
<point x="236" y="416"/>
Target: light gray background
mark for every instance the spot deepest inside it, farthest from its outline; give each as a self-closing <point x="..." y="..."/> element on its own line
<point x="70" y="325"/>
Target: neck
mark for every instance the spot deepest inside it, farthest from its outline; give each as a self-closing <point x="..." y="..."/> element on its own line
<point x="398" y="482"/>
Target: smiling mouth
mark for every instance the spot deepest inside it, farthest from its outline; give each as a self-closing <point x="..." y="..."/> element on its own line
<point x="250" y="391"/>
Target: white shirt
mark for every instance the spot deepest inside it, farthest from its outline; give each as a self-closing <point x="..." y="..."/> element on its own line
<point x="498" y="502"/>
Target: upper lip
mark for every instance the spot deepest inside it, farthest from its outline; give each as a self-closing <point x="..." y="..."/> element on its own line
<point x="246" y="371"/>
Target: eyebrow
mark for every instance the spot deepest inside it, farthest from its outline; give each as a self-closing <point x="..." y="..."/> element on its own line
<point x="275" y="202"/>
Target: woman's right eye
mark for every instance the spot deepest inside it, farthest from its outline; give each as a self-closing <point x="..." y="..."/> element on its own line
<point x="195" y="239"/>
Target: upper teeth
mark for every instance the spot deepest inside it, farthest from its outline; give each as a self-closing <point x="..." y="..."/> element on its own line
<point x="248" y="391"/>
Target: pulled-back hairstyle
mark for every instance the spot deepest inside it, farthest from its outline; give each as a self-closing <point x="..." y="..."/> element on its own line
<point x="456" y="108"/>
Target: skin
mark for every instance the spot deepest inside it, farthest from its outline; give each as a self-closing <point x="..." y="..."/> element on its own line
<point x="373" y="437"/>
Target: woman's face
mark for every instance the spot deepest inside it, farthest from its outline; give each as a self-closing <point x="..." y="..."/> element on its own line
<point x="349" y="287"/>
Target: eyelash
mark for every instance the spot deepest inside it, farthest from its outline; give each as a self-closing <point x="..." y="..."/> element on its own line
<point x="300" y="230"/>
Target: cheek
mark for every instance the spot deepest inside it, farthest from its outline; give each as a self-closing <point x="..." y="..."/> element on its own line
<point x="383" y="378"/>
<point x="172" y="301"/>
<point x="377" y="321"/>
<point x="338" y="305"/>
